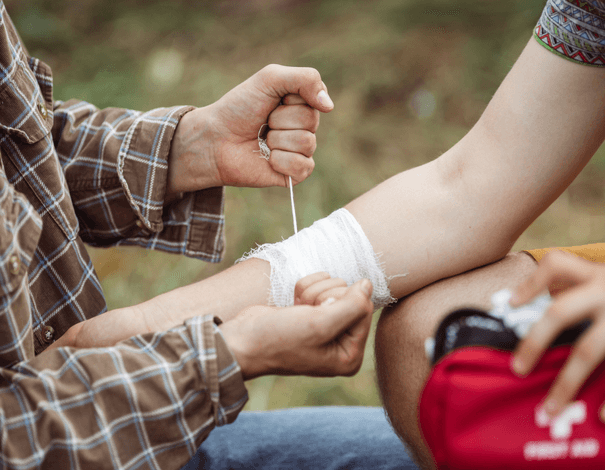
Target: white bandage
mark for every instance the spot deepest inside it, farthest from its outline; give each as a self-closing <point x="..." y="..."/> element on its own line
<point x="336" y="245"/>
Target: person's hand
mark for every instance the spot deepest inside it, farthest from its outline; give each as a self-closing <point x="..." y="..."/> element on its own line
<point x="317" y="288"/>
<point x="324" y="340"/>
<point x="218" y="145"/>
<point x="578" y="287"/>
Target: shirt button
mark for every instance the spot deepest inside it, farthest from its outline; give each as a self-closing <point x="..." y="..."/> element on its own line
<point x="42" y="108"/>
<point x="14" y="264"/>
<point x="139" y="223"/>
<point x="48" y="333"/>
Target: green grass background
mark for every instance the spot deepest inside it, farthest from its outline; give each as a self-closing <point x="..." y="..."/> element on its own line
<point x="408" y="78"/>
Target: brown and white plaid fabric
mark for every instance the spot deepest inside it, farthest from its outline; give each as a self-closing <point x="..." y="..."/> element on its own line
<point x="71" y="174"/>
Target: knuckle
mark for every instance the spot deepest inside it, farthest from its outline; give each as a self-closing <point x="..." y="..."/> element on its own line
<point x="305" y="168"/>
<point x="312" y="74"/>
<point x="353" y="363"/>
<point x="270" y="69"/>
<point x="299" y="288"/>
<point x="306" y="298"/>
<point x="309" y="143"/>
<point x="309" y="167"/>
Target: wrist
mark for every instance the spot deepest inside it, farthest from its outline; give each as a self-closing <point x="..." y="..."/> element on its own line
<point x="192" y="158"/>
<point x="240" y="351"/>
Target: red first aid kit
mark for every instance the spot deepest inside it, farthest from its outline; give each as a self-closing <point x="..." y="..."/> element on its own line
<point x="476" y="414"/>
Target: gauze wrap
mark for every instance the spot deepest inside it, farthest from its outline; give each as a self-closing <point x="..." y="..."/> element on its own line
<point x="336" y="245"/>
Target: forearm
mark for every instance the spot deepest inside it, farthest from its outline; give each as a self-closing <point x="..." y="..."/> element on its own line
<point x="224" y="295"/>
<point x="466" y="208"/>
<point x="469" y="206"/>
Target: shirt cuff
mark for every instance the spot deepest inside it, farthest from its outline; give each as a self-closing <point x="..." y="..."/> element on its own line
<point x="143" y="162"/>
<point x="192" y="226"/>
<point x="220" y="370"/>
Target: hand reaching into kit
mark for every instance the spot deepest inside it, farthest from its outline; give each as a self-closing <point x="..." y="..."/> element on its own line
<point x="578" y="287"/>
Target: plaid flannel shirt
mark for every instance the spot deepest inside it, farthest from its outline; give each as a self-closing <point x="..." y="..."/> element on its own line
<point x="70" y="174"/>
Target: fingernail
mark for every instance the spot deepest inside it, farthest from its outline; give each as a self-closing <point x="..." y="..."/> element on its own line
<point x="551" y="407"/>
<point x="366" y="287"/>
<point x="328" y="301"/>
<point x="296" y="300"/>
<point x="518" y="367"/>
<point x="324" y="99"/>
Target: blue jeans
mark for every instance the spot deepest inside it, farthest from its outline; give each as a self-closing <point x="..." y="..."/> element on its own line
<point x="326" y="438"/>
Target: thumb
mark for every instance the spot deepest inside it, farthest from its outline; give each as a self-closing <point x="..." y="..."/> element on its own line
<point x="343" y="314"/>
<point x="279" y="81"/>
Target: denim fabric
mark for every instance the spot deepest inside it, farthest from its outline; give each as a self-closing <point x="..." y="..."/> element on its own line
<point x="326" y="438"/>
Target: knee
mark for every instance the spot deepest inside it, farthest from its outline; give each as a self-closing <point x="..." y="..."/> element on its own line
<point x="399" y="353"/>
<point x="401" y="364"/>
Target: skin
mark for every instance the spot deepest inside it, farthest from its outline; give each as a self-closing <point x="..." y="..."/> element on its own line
<point x="459" y="212"/>
<point x="317" y="339"/>
<point x="579" y="294"/>
<point x="214" y="145"/>
<point x="401" y="364"/>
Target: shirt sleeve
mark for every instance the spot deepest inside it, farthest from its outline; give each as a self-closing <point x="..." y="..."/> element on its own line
<point x="573" y="30"/>
<point x="147" y="402"/>
<point x="115" y="163"/>
<point x="20" y="229"/>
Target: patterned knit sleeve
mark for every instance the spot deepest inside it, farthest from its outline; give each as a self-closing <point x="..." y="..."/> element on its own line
<point x="574" y="30"/>
<point x="147" y="402"/>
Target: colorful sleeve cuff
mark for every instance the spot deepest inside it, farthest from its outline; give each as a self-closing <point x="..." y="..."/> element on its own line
<point x="574" y="30"/>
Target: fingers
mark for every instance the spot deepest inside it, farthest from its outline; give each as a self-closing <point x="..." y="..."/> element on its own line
<point x="587" y="354"/>
<point x="306" y="282"/>
<point x="296" y="140"/>
<point x="296" y="116"/>
<point x="568" y="309"/>
<point x="332" y="295"/>
<point x="279" y="81"/>
<point x="293" y="99"/>
<point x="292" y="139"/>
<point x="351" y="347"/>
<point x="311" y="296"/>
<point x="343" y="314"/>
<point x="317" y="288"/>
<point x="291" y="164"/>
<point x="557" y="271"/>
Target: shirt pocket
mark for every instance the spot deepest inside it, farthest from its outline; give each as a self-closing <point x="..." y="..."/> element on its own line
<point x="26" y="100"/>
<point x="31" y="161"/>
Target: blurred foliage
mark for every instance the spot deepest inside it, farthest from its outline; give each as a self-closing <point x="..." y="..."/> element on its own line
<point x="408" y="79"/>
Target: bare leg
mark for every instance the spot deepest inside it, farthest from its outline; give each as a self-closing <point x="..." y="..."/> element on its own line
<point x="401" y="364"/>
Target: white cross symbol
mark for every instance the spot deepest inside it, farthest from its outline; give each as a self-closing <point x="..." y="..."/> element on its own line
<point x="560" y="426"/>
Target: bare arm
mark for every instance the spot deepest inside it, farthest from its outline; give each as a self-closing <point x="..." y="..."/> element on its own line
<point x="460" y="211"/>
<point x="468" y="207"/>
